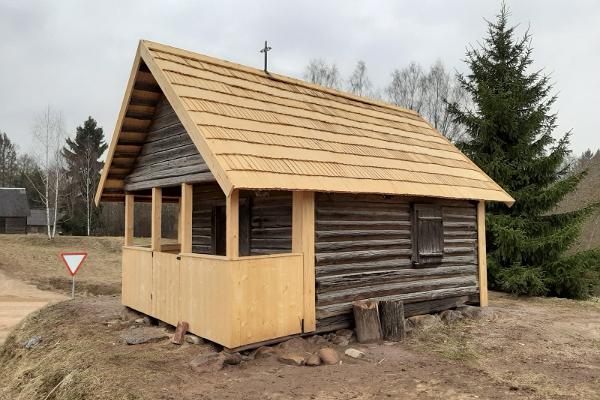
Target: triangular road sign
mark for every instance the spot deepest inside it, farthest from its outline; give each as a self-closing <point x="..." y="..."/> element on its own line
<point x="73" y="261"/>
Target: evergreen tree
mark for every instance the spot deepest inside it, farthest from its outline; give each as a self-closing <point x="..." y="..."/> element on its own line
<point x="83" y="173"/>
<point x="510" y="137"/>
<point x="8" y="161"/>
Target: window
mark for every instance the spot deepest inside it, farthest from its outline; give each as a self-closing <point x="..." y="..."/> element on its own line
<point x="427" y="235"/>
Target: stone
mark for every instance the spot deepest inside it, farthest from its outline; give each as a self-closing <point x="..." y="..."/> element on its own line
<point x="329" y="356"/>
<point x="128" y="314"/>
<point x="450" y="316"/>
<point x="291" y="359"/>
<point x="296" y="344"/>
<point x="32" y="342"/>
<point x="423" y="322"/>
<point x="143" y="335"/>
<point x="478" y="312"/>
<point x="193" y="339"/>
<point x="312" y="360"/>
<point x="340" y="341"/>
<point x="264" y="352"/>
<point x="232" y="358"/>
<point x="148" y="320"/>
<point x="354" y="353"/>
<point x="139" y="321"/>
<point x="346" y="333"/>
<point x="180" y="331"/>
<point x="316" y="339"/>
<point x="208" y="362"/>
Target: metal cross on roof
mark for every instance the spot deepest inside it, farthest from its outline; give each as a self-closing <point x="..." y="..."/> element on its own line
<point x="265" y="50"/>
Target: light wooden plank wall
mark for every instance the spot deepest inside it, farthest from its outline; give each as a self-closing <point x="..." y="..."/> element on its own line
<point x="137" y="279"/>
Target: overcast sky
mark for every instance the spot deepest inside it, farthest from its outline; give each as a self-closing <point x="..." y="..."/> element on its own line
<point x="76" y="55"/>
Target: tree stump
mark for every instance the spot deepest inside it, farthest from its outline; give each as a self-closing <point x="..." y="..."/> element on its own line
<point x="391" y="313"/>
<point x="366" y="319"/>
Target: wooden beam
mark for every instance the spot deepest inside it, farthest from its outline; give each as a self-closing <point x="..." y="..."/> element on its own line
<point x="156" y="218"/>
<point x="482" y="255"/>
<point x="129" y="207"/>
<point x="233" y="224"/>
<point x="186" y="218"/>
<point x="303" y="241"/>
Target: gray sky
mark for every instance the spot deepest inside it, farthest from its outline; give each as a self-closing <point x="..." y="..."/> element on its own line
<point x="76" y="55"/>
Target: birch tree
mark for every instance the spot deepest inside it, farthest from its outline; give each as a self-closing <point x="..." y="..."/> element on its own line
<point x="359" y="82"/>
<point x="324" y="74"/>
<point x="429" y="94"/>
<point x="49" y="134"/>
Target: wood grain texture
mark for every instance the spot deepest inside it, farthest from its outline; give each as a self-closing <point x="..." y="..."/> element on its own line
<point x="232" y="203"/>
<point x="129" y="219"/>
<point x="186" y="210"/>
<point x="272" y="132"/>
<point x="261" y="297"/>
<point x="156" y="219"/>
<point x="137" y="279"/>
<point x="364" y="246"/>
<point x="481" y="254"/>
<point x="167" y="155"/>
<point x="303" y="241"/>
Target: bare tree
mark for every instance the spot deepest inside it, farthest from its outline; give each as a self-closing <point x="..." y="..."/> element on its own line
<point x="429" y="94"/>
<point x="442" y="88"/>
<point x="319" y="72"/>
<point x="407" y="87"/>
<point x="49" y="134"/>
<point x="359" y="82"/>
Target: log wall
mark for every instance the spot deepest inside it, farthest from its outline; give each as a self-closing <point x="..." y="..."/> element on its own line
<point x="13" y="225"/>
<point x="168" y="156"/>
<point x="364" y="247"/>
<point x="270" y="219"/>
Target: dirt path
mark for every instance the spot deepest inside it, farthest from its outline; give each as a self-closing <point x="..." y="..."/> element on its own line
<point x="17" y="299"/>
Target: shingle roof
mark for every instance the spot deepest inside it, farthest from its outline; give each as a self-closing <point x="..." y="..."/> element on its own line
<point x="38" y="217"/>
<point x="267" y="131"/>
<point x="13" y="202"/>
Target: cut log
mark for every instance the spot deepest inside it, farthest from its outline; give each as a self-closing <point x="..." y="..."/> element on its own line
<point x="391" y="314"/>
<point x="366" y="319"/>
<point x="180" y="332"/>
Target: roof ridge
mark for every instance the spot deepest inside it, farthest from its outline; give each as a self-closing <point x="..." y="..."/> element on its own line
<point x="288" y="79"/>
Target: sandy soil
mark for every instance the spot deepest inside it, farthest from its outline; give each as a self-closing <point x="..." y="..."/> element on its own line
<point x="535" y="349"/>
<point x="17" y="299"/>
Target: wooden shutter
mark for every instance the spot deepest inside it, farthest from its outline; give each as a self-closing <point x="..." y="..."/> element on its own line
<point x="428" y="235"/>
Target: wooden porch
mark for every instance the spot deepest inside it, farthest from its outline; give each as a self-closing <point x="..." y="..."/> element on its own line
<point x="231" y="300"/>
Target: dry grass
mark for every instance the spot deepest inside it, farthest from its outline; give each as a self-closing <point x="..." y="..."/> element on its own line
<point x="35" y="259"/>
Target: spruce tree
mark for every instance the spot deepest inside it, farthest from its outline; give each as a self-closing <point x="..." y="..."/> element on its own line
<point x="509" y="136"/>
<point x="83" y="172"/>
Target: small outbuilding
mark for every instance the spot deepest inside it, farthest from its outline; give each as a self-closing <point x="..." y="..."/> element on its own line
<point x="37" y="222"/>
<point x="14" y="210"/>
<point x="295" y="200"/>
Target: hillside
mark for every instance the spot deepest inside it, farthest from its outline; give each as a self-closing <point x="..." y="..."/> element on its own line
<point x="587" y="193"/>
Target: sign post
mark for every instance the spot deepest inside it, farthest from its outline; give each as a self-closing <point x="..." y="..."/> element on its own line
<point x="73" y="262"/>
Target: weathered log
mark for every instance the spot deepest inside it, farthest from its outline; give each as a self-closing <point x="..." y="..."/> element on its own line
<point x="391" y="315"/>
<point x="366" y="319"/>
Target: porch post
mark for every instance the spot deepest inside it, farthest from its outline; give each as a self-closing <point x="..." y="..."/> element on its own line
<point x="482" y="256"/>
<point x="129" y="202"/>
<point x="303" y="241"/>
<point x="156" y="218"/>
<point x="185" y="220"/>
<point x="233" y="224"/>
